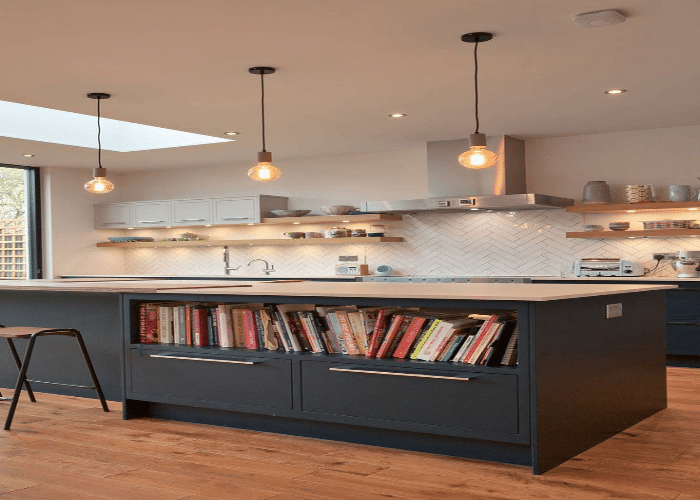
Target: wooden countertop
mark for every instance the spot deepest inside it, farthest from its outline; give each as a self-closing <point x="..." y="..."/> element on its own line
<point x="442" y="291"/>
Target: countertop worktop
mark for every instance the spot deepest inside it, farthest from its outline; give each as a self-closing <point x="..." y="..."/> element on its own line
<point x="440" y="291"/>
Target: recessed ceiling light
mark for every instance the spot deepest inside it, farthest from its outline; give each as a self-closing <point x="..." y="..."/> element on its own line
<point x="29" y="156"/>
<point x="397" y="115"/>
<point x="231" y="133"/>
<point x="615" y="91"/>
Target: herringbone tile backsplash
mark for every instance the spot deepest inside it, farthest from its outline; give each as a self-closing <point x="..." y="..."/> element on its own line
<point x="526" y="243"/>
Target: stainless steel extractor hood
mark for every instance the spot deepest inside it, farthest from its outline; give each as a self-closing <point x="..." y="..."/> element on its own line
<point x="452" y="188"/>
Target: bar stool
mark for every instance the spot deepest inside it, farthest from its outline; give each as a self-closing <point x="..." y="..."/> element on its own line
<point x="32" y="333"/>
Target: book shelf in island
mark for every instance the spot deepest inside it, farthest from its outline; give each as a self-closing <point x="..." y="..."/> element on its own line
<point x="523" y="413"/>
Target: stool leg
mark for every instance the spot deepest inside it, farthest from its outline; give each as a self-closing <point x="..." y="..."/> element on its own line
<point x="91" y="370"/>
<point x="13" y="350"/>
<point x="21" y="379"/>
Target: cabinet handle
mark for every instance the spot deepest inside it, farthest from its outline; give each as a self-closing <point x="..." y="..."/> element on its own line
<point x="150" y="221"/>
<point x="205" y="359"/>
<point x="417" y="375"/>
<point x="191" y="220"/>
<point x="235" y="218"/>
<point x="112" y="223"/>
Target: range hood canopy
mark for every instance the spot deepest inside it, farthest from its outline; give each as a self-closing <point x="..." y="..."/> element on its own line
<point x="451" y="187"/>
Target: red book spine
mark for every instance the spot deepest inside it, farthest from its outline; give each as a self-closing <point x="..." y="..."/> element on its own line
<point x="378" y="333"/>
<point x="409" y="337"/>
<point x="344" y="323"/>
<point x="151" y="322"/>
<point x="199" y="327"/>
<point x="142" y="322"/>
<point x="251" y="332"/>
<point x="480" y="337"/>
<point x="391" y="334"/>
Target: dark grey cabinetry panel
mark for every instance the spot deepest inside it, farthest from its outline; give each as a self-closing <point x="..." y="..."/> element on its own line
<point x="259" y="382"/>
<point x="462" y="400"/>
<point x="683" y="320"/>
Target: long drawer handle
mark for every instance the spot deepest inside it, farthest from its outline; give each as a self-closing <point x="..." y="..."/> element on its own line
<point x="417" y="375"/>
<point x="191" y="220"/>
<point x="150" y="221"/>
<point x="205" y="359"/>
<point x="112" y="223"/>
<point x="235" y="218"/>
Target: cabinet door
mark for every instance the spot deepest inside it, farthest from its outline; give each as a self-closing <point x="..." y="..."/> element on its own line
<point x="191" y="212"/>
<point x="152" y="214"/>
<point x="243" y="210"/>
<point x="474" y="401"/>
<point x="113" y="216"/>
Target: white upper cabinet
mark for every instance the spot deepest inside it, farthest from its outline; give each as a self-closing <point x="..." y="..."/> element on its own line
<point x="192" y="212"/>
<point x="152" y="214"/>
<point x="114" y="216"/>
<point x="198" y="212"/>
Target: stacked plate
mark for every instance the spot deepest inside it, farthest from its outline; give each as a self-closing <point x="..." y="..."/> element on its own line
<point x="129" y="239"/>
<point x="592" y="227"/>
<point x="619" y="226"/>
<point x="666" y="224"/>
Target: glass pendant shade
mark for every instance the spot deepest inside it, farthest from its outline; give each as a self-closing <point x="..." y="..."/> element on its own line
<point x="478" y="156"/>
<point x="264" y="171"/>
<point x="99" y="184"/>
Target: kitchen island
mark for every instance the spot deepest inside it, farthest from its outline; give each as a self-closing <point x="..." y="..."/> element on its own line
<point x="580" y="377"/>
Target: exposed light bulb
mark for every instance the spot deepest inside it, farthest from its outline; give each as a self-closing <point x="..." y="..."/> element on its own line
<point x="99" y="185"/>
<point x="478" y="156"/>
<point x="264" y="171"/>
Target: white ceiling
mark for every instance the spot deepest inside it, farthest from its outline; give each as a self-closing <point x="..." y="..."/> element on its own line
<point x="343" y="66"/>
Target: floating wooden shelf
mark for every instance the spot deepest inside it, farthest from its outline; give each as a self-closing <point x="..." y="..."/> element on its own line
<point x="636" y="207"/>
<point x="331" y="219"/>
<point x="655" y="233"/>
<point x="260" y="242"/>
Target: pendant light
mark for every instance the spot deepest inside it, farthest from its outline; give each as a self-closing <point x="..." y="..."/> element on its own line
<point x="99" y="185"/>
<point x="478" y="156"/>
<point x="264" y="171"/>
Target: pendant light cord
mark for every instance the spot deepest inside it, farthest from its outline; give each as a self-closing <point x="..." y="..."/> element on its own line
<point x="99" y="133"/>
<point x="262" y="106"/>
<point x="476" y="87"/>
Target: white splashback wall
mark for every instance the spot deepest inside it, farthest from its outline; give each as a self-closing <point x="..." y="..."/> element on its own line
<point x="527" y="243"/>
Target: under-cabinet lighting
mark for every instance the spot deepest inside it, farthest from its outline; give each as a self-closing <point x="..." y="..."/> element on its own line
<point x="345" y="221"/>
<point x="130" y="228"/>
<point x="692" y="209"/>
<point x="231" y="133"/>
<point x="251" y="224"/>
<point x="631" y="211"/>
<point x="29" y="156"/>
<point x="474" y="209"/>
<point x="398" y="115"/>
<point x="300" y="222"/>
<point x="615" y="91"/>
<point x="207" y="225"/>
<point x="33" y="123"/>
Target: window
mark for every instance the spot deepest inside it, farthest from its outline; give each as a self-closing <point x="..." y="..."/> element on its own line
<point x="20" y="222"/>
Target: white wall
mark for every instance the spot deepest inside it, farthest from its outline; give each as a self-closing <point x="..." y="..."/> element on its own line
<point x="69" y="237"/>
<point x="310" y="183"/>
<point x="563" y="165"/>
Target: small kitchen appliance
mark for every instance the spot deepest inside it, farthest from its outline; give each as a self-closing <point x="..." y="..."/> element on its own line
<point x="686" y="264"/>
<point x="608" y="267"/>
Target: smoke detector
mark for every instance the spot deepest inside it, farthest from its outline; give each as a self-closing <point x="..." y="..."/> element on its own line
<point x="599" y="18"/>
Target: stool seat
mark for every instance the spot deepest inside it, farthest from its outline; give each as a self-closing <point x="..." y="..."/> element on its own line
<point x="31" y="333"/>
<point x="24" y="332"/>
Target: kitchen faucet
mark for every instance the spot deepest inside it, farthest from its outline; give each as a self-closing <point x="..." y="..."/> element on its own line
<point x="267" y="269"/>
<point x="227" y="266"/>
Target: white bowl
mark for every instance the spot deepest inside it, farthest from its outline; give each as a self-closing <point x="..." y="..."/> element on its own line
<point x="289" y="213"/>
<point x="337" y="209"/>
<point x="592" y="227"/>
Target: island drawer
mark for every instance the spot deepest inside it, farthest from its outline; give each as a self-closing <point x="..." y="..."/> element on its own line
<point x="463" y="400"/>
<point x="262" y="382"/>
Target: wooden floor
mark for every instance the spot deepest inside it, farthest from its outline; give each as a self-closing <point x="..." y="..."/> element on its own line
<point x="67" y="448"/>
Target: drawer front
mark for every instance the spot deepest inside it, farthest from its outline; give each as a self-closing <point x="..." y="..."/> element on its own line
<point x="224" y="379"/>
<point x="683" y="339"/>
<point x="683" y="305"/>
<point x="236" y="211"/>
<point x="485" y="402"/>
<point x="191" y="212"/>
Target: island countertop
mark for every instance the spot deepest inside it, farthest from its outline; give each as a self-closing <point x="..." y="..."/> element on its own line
<point x="441" y="291"/>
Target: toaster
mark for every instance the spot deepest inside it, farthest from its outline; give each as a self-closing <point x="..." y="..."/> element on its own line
<point x="608" y="267"/>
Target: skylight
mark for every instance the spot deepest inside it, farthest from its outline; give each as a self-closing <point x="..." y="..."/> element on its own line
<point x="32" y="123"/>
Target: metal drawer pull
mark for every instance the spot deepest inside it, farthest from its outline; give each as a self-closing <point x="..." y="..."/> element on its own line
<point x="205" y="359"/>
<point x="150" y="221"/>
<point x="191" y="220"/>
<point x="112" y="223"/>
<point x="235" y="218"/>
<point x="417" y="375"/>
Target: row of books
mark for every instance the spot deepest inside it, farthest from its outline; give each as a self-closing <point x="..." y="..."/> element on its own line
<point x="375" y="332"/>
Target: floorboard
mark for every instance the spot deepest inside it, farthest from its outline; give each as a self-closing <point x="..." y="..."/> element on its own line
<point x="67" y="448"/>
